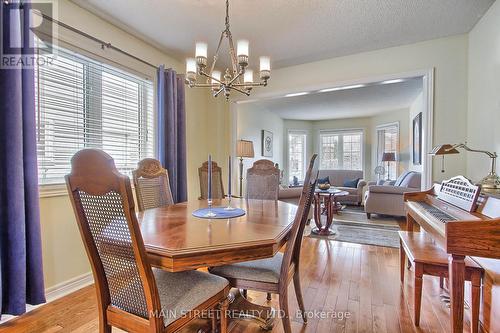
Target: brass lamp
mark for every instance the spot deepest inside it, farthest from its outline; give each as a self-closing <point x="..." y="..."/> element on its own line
<point x="490" y="183"/>
<point x="244" y="149"/>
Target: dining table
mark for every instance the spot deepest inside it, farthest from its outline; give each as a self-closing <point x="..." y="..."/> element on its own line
<point x="177" y="241"/>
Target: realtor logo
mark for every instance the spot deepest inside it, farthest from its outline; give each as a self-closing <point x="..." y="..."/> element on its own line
<point x="26" y="34"/>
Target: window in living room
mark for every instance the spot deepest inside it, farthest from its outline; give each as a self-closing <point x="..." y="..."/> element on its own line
<point x="82" y="103"/>
<point x="296" y="155"/>
<point x="341" y="150"/>
<point x="388" y="142"/>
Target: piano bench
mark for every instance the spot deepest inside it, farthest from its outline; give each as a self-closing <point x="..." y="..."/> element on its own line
<point x="429" y="259"/>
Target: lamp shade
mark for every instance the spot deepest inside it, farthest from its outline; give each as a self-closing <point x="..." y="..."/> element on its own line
<point x="443" y="150"/>
<point x="244" y="148"/>
<point x="388" y="157"/>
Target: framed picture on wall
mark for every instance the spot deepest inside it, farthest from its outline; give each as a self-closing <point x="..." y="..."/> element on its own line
<point x="267" y="143"/>
<point x="417" y="139"/>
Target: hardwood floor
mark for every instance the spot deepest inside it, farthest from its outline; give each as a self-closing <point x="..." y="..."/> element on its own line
<point x="361" y="280"/>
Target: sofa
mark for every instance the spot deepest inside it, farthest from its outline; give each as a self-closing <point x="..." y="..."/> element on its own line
<point x="387" y="199"/>
<point x="339" y="177"/>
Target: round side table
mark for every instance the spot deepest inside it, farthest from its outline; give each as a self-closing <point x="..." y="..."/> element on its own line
<point x="325" y="203"/>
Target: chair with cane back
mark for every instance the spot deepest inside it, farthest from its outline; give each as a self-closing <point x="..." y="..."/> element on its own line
<point x="217" y="187"/>
<point x="131" y="294"/>
<point x="273" y="275"/>
<point x="152" y="185"/>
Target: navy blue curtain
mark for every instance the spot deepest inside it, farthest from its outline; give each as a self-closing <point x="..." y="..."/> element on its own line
<point x="172" y="130"/>
<point x="21" y="276"/>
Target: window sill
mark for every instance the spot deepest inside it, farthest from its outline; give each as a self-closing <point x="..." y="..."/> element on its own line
<point x="52" y="190"/>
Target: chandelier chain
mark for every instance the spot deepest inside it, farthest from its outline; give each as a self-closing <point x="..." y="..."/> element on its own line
<point x="227" y="15"/>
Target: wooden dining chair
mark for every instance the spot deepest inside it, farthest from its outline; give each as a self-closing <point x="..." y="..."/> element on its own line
<point x="152" y="185"/>
<point x="262" y="184"/>
<point x="131" y="295"/>
<point x="273" y="275"/>
<point x="263" y="181"/>
<point x="217" y="187"/>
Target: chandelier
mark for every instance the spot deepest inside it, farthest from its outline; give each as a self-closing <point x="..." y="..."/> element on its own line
<point x="238" y="78"/>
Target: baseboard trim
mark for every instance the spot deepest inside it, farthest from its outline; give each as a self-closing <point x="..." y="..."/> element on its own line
<point x="59" y="290"/>
<point x="68" y="286"/>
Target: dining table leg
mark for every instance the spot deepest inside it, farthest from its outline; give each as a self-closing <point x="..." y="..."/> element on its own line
<point x="240" y="307"/>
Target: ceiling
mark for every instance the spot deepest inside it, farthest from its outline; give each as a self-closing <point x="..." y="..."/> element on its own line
<point x="367" y="101"/>
<point x="291" y="31"/>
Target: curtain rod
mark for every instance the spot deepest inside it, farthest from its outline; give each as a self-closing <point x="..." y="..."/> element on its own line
<point x="97" y="40"/>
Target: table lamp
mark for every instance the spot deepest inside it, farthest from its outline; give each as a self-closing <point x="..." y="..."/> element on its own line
<point x="490" y="183"/>
<point x="388" y="157"/>
<point x="244" y="149"/>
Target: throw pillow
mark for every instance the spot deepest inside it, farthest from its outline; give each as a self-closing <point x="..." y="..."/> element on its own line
<point x="325" y="180"/>
<point x="351" y="182"/>
<point x="402" y="177"/>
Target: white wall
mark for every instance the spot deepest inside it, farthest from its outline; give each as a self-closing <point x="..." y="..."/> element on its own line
<point x="448" y="56"/>
<point x="251" y="120"/>
<point x="483" y="119"/>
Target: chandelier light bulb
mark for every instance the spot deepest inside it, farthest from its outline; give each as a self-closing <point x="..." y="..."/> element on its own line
<point x="201" y="50"/>
<point x="248" y="77"/>
<point x="191" y="65"/>
<point x="242" y="49"/>
<point x="265" y="64"/>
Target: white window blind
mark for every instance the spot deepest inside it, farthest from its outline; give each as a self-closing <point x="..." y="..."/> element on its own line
<point x="296" y="155"/>
<point x="341" y="150"/>
<point x="388" y="142"/>
<point x="82" y="103"/>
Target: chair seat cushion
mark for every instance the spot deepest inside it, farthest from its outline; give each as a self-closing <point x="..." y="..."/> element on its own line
<point x="262" y="270"/>
<point x="183" y="291"/>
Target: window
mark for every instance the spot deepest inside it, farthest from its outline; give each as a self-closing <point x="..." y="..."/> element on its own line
<point x="388" y="142"/>
<point x="341" y="150"/>
<point x="296" y="155"/>
<point x="82" y="103"/>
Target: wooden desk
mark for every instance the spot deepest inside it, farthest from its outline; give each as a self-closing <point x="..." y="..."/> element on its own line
<point x="177" y="241"/>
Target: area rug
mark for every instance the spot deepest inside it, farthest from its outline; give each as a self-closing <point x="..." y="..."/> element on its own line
<point x="356" y="214"/>
<point x="352" y="226"/>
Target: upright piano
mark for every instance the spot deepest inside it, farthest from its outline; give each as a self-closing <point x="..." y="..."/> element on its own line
<point x="463" y="223"/>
